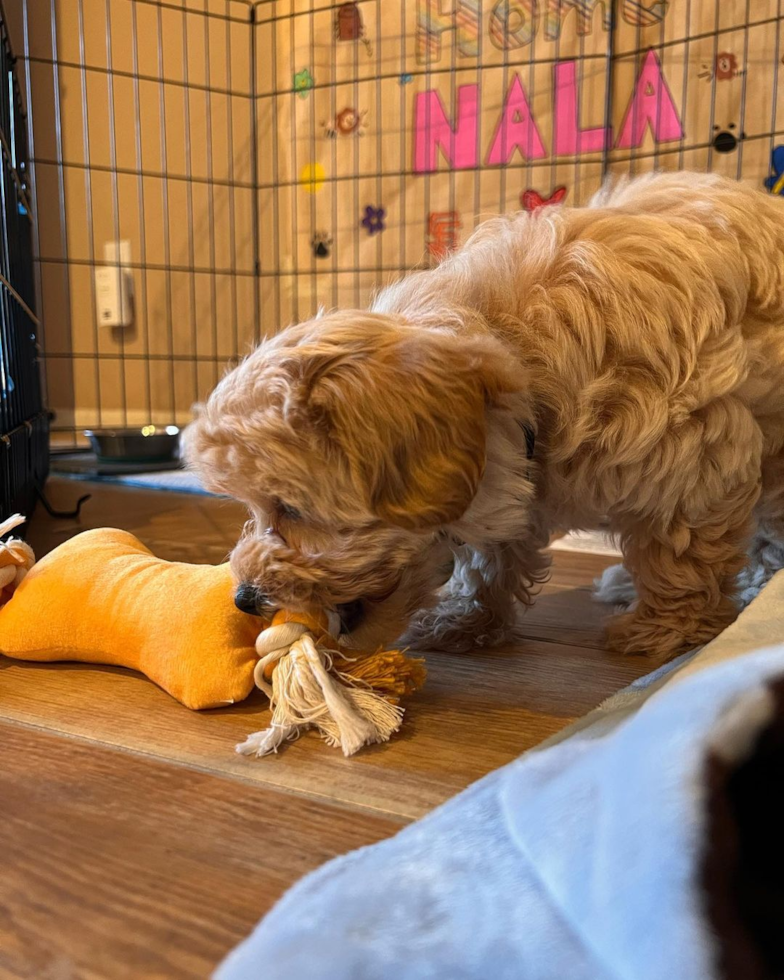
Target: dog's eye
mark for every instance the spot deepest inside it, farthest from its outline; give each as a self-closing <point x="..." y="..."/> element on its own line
<point x="288" y="512"/>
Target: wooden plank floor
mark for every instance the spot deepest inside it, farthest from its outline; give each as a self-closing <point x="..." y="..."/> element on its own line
<point x="135" y="842"/>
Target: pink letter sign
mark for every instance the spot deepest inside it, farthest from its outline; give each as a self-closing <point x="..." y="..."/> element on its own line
<point x="570" y="140"/>
<point x="432" y="130"/>
<point x="516" y="129"/>
<point x="651" y="103"/>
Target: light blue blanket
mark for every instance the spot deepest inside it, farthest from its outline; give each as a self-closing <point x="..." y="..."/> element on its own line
<point x="582" y="860"/>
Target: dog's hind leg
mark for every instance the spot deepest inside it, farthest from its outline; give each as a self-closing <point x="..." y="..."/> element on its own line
<point x="766" y="555"/>
<point x="685" y="560"/>
<point x="687" y="595"/>
<point x="615" y="586"/>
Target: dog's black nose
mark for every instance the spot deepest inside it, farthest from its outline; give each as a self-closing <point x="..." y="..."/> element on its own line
<point x="249" y="598"/>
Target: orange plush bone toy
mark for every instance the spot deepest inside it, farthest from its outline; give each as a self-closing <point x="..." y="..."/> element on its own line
<point x="103" y="598"/>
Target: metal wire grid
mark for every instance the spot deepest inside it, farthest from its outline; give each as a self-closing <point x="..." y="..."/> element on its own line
<point x="23" y="422"/>
<point x="288" y="277"/>
<point x="159" y="367"/>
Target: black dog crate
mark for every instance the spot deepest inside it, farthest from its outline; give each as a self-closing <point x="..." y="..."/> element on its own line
<point x="24" y="430"/>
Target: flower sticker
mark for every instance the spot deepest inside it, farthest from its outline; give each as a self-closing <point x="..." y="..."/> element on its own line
<point x="374" y="219"/>
<point x="303" y="82"/>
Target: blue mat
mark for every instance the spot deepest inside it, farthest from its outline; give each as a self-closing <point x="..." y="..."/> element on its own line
<point x="179" y="481"/>
<point x="85" y="466"/>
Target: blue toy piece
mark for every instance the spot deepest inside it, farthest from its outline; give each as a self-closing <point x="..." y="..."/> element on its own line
<point x="775" y="183"/>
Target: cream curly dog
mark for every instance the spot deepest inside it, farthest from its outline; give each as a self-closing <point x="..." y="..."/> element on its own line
<point x="624" y="361"/>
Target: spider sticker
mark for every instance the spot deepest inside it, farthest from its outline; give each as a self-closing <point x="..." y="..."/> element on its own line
<point x="723" y="68"/>
<point x="351" y="121"/>
<point x="348" y="122"/>
<point x="726" y="66"/>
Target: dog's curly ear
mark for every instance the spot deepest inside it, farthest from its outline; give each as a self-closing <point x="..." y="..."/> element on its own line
<point x="406" y="411"/>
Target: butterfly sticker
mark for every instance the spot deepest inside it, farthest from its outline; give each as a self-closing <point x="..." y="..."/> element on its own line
<point x="532" y="200"/>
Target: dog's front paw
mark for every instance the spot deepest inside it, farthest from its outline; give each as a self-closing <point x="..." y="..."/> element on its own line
<point x="456" y="626"/>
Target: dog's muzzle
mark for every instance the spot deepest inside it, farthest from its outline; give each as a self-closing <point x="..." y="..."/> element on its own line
<point x="250" y="599"/>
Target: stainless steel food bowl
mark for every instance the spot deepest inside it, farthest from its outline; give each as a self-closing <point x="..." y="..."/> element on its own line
<point x="149" y="444"/>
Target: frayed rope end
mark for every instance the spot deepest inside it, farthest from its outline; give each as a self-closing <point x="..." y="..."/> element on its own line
<point x="351" y="700"/>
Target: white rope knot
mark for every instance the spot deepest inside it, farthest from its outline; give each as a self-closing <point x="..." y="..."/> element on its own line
<point x="272" y="644"/>
<point x="304" y="694"/>
<point x="16" y="559"/>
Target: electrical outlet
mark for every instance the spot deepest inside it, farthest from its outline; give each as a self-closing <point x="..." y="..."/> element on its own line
<point x="114" y="286"/>
<point x="117" y="253"/>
